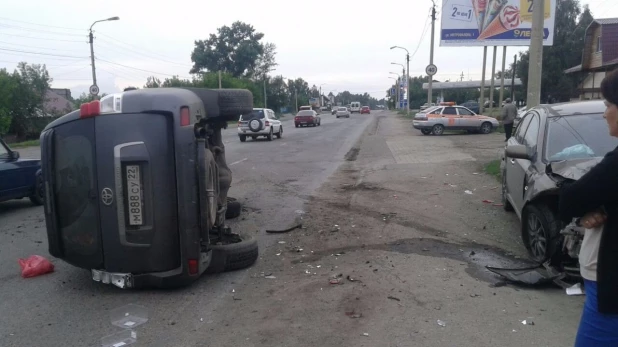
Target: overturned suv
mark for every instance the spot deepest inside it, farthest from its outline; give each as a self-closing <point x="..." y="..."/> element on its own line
<point x="136" y="187"/>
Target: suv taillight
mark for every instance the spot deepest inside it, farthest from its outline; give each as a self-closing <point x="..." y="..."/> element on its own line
<point x="266" y="123"/>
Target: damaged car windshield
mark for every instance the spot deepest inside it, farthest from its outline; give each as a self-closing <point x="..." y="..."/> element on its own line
<point x="578" y="137"/>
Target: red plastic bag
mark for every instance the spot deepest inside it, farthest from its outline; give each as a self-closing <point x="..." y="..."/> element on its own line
<point x="35" y="265"/>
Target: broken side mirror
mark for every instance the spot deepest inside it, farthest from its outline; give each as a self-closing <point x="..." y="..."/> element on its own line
<point x="517" y="152"/>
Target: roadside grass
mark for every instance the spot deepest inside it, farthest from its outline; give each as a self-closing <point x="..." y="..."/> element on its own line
<point x="493" y="169"/>
<point x="30" y="143"/>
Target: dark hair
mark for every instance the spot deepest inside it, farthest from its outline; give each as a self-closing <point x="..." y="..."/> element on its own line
<point x="609" y="87"/>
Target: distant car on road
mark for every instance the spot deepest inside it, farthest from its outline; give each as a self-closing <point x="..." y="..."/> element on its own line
<point x="426" y="106"/>
<point x="355" y="107"/>
<point x="365" y="109"/>
<point x="19" y="178"/>
<point x="260" y="122"/>
<point x="437" y="119"/>
<point x="472" y="106"/>
<point x="552" y="143"/>
<point x="307" y="118"/>
<point x="343" y="112"/>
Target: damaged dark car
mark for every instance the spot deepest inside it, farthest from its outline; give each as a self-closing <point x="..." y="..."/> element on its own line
<point x="552" y="143"/>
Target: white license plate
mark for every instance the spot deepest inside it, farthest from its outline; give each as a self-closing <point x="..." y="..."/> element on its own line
<point x="134" y="195"/>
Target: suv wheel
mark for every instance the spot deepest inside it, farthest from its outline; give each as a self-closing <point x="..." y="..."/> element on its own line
<point x="234" y="253"/>
<point x="270" y="135"/>
<point x="540" y="232"/>
<point x="243" y="138"/>
<point x="37" y="197"/>
<point x="280" y="133"/>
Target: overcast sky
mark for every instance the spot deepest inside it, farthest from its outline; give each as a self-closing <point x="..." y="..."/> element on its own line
<point x="341" y="43"/>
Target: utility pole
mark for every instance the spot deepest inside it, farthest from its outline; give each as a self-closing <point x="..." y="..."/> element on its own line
<point x="296" y="97"/>
<point x="219" y="79"/>
<point x="91" y="41"/>
<point x="513" y="79"/>
<point x="502" y="75"/>
<point x="482" y="100"/>
<point x="462" y="77"/>
<point x="493" y="73"/>
<point x="536" y="54"/>
<point x="265" y="91"/>
<point x="433" y="32"/>
<point x="408" y="83"/>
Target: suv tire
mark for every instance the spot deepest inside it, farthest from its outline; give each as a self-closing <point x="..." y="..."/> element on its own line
<point x="234" y="208"/>
<point x="270" y="135"/>
<point x="243" y="138"/>
<point x="234" y="256"/>
<point x="234" y="102"/>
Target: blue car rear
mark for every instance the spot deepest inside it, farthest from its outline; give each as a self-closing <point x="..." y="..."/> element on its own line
<point x="19" y="178"/>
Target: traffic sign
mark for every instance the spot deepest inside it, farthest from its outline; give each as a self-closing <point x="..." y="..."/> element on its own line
<point x="94" y="89"/>
<point x="431" y="69"/>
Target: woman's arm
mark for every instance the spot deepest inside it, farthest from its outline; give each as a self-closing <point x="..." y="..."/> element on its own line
<point x="596" y="188"/>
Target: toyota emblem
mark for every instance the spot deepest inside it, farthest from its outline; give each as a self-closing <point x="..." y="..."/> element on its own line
<point x="107" y="196"/>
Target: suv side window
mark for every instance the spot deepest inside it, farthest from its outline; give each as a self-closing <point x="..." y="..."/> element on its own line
<point x="532" y="134"/>
<point x="522" y="127"/>
<point x="450" y="111"/>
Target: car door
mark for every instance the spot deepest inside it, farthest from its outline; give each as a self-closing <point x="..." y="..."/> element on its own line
<point x="451" y="117"/>
<point x="15" y="177"/>
<point x="273" y="119"/>
<point x="467" y="119"/>
<point x="517" y="170"/>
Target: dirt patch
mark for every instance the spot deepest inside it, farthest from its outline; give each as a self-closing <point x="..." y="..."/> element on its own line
<point x="352" y="154"/>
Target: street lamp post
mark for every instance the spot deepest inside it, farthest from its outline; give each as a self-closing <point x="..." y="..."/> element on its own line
<point x="403" y="68"/>
<point x="91" y="39"/>
<point x="322" y="101"/>
<point x="407" y="78"/>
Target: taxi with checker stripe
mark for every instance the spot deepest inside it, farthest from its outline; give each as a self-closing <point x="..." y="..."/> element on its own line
<point x="435" y="120"/>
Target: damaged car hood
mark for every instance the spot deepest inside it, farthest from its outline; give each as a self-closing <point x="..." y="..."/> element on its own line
<point x="574" y="169"/>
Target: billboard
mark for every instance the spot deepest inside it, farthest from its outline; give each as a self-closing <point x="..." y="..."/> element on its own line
<point x="467" y="23"/>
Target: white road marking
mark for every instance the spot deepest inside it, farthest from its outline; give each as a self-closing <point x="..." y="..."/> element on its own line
<point x="239" y="161"/>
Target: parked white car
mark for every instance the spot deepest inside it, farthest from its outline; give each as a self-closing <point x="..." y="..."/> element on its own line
<point x="260" y="122"/>
<point x="343" y="112"/>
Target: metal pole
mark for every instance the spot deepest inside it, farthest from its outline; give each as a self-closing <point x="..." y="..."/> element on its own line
<point x="433" y="31"/>
<point x="265" y="92"/>
<point x="493" y="73"/>
<point x="502" y="75"/>
<point x="513" y="79"/>
<point x="94" y="73"/>
<point x="296" y="96"/>
<point x="408" y="84"/>
<point x="482" y="100"/>
<point x="536" y="54"/>
<point x="219" y="79"/>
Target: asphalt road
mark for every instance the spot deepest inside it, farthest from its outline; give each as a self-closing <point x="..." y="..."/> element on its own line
<point x="273" y="179"/>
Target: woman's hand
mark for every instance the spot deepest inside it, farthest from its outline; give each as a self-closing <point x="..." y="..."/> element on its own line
<point x="593" y="220"/>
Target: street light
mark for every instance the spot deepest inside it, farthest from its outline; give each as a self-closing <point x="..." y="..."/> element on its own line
<point x="322" y="101"/>
<point x="407" y="77"/>
<point x="404" y="75"/>
<point x="397" y="84"/>
<point x="90" y="36"/>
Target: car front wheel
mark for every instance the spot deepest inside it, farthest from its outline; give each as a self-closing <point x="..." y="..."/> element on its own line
<point x="486" y="128"/>
<point x="541" y="232"/>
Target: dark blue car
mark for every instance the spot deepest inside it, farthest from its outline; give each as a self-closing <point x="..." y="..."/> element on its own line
<point x="19" y="178"/>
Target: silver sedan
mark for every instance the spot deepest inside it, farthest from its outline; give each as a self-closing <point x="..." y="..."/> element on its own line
<point x="343" y="112"/>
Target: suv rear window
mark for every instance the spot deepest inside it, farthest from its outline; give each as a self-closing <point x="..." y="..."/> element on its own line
<point x="259" y="114"/>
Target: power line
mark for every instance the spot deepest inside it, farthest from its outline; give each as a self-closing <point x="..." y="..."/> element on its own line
<point x="53" y="65"/>
<point x="39" y="53"/>
<point x="422" y="36"/>
<point x="40" y="38"/>
<point x="134" y="68"/>
<point x="130" y="45"/>
<point x="123" y="50"/>
<point x="14" y="27"/>
<point x="30" y="46"/>
<point x="70" y="72"/>
<point x="42" y="25"/>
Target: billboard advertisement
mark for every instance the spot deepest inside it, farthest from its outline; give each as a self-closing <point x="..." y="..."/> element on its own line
<point x="467" y="23"/>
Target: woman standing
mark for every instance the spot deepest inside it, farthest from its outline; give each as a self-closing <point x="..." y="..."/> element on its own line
<point x="594" y="200"/>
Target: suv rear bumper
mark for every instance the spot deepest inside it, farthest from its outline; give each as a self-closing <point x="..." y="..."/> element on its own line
<point x="247" y="132"/>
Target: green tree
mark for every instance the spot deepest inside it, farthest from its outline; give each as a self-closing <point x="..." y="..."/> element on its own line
<point x="566" y="52"/>
<point x="153" y="82"/>
<point x="234" y="50"/>
<point x="28" y="98"/>
<point x="8" y="83"/>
